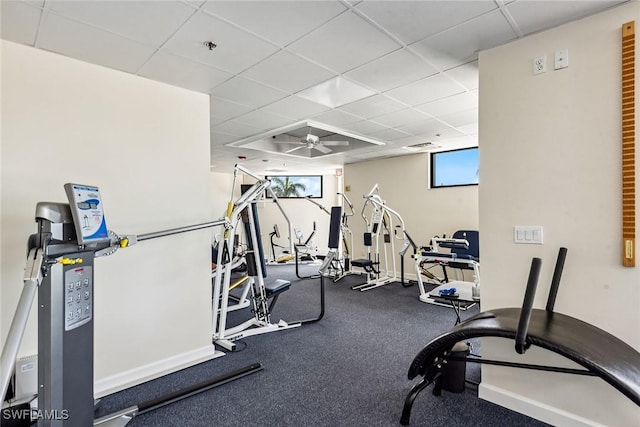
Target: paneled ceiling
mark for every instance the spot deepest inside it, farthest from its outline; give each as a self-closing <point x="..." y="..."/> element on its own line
<point x="385" y="75"/>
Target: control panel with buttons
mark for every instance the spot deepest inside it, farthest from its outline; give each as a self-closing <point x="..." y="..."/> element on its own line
<point x="78" y="297"/>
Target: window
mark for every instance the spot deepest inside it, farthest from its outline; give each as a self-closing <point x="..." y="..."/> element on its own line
<point x="297" y="186"/>
<point x="454" y="168"/>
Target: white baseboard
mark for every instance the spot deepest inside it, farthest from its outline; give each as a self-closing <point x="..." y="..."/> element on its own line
<point x="132" y="377"/>
<point x="410" y="276"/>
<point x="532" y="408"/>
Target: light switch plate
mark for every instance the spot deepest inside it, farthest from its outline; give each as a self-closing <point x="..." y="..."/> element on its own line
<point x="528" y="234"/>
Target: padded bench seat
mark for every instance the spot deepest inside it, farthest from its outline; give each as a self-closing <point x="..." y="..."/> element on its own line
<point x="276" y="287"/>
<point x="439" y="254"/>
<point x="452" y="255"/>
<point x="363" y="263"/>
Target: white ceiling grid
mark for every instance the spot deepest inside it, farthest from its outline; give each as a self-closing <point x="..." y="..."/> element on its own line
<point x="416" y="61"/>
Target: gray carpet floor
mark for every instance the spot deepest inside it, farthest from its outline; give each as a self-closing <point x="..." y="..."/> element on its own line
<point x="349" y="369"/>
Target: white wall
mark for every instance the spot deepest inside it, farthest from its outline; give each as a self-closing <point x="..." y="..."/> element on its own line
<point x="146" y="145"/>
<point x="550" y="155"/>
<point x="403" y="183"/>
<point x="221" y="186"/>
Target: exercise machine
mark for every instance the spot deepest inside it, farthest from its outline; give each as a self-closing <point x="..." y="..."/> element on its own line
<point x="243" y="214"/>
<point x="288" y="252"/>
<point x="597" y="351"/>
<point x="408" y="244"/>
<point x="285" y="255"/>
<point x="305" y="250"/>
<point x="60" y="269"/>
<point x="463" y="254"/>
<point x="340" y="265"/>
<point x="380" y="232"/>
<point x="239" y="284"/>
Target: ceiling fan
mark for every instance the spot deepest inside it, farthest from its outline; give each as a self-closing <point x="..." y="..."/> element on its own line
<point x="310" y="141"/>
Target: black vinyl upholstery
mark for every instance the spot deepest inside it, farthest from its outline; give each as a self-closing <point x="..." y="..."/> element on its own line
<point x="334" y="227"/>
<point x="593" y="348"/>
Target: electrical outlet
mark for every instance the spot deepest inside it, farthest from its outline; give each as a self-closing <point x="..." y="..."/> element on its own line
<point x="540" y="65"/>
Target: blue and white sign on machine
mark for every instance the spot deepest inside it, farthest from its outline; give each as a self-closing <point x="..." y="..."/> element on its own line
<point x="87" y="212"/>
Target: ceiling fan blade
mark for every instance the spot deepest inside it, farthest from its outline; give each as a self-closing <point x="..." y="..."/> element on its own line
<point x="334" y="143"/>
<point x="322" y="149"/>
<point x="280" y="141"/>
<point x="294" y="149"/>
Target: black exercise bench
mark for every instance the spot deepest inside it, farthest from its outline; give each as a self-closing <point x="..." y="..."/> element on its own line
<point x="600" y="353"/>
<point x="274" y="289"/>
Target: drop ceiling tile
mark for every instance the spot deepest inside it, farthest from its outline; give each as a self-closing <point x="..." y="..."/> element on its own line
<point x="221" y="108"/>
<point x="409" y="140"/>
<point x="336" y="118"/>
<point x="213" y="120"/>
<point x="236" y="128"/>
<point x="425" y="90"/>
<point x="467" y="75"/>
<point x="335" y="92"/>
<point x="401" y="117"/>
<point x="392" y="70"/>
<point x="91" y="44"/>
<point x="461" y="44"/>
<point x="263" y="120"/>
<point x="380" y="153"/>
<point x="247" y="92"/>
<point x="295" y="107"/>
<point x="183" y="72"/>
<point x="288" y="72"/>
<point x="34" y="3"/>
<point x="438" y="134"/>
<point x="389" y="135"/>
<point x="346" y="42"/>
<point x="373" y="106"/>
<point x="236" y="50"/>
<point x="225" y="151"/>
<point x="451" y="104"/>
<point x="458" y="142"/>
<point x="411" y="21"/>
<point x="421" y="127"/>
<point x="536" y="16"/>
<point x="460" y="118"/>
<point x="19" y="22"/>
<point x="151" y="22"/>
<point x="220" y="138"/>
<point x="364" y="127"/>
<point x="470" y="129"/>
<point x="281" y="22"/>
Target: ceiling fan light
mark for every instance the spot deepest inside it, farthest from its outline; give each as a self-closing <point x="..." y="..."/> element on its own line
<point x="311" y="139"/>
